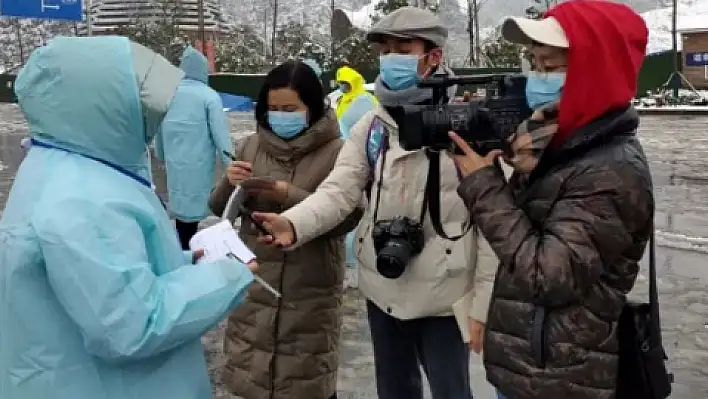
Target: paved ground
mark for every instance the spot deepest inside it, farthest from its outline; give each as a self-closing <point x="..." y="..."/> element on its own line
<point x="678" y="150"/>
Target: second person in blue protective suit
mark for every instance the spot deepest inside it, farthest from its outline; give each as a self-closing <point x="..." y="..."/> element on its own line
<point x="98" y="300"/>
<point x="194" y="131"/>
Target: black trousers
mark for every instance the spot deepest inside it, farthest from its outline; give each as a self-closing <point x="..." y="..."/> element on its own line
<point x="185" y="231"/>
<point x="402" y="346"/>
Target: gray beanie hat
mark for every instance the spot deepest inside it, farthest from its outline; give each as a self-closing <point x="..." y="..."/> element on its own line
<point x="410" y="23"/>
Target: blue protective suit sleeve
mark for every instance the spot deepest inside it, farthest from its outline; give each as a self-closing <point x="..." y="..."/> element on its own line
<point x="355" y="112"/>
<point x="219" y="128"/>
<point x="98" y="267"/>
<point x="159" y="146"/>
<point x="188" y="256"/>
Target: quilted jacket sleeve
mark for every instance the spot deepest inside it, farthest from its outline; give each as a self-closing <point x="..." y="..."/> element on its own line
<point x="563" y="255"/>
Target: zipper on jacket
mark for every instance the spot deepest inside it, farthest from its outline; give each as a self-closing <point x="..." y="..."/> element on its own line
<point x="538" y="336"/>
<point x="279" y="307"/>
<point x="276" y="328"/>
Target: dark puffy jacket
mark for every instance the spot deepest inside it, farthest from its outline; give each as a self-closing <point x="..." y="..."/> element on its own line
<point x="569" y="238"/>
<point x="288" y="348"/>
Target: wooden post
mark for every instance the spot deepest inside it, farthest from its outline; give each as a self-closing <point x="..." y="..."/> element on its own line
<point x="274" y="32"/>
<point x="89" y="18"/>
<point x="331" y="35"/>
<point x="674" y="47"/>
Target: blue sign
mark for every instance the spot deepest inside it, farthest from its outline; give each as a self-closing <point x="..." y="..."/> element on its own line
<point x="697" y="59"/>
<point x="71" y="10"/>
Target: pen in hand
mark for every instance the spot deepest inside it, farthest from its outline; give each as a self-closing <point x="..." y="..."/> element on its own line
<point x="230" y="155"/>
<point x="259" y="280"/>
<point x="267" y="286"/>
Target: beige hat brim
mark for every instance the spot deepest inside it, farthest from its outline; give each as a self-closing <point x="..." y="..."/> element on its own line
<point x="380" y="36"/>
<point x="528" y="31"/>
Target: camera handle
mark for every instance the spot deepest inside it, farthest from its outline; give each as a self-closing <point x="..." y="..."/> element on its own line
<point x="432" y="193"/>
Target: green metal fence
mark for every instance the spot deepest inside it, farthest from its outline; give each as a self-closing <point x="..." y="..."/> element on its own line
<point x="7" y="91"/>
<point x="655" y="71"/>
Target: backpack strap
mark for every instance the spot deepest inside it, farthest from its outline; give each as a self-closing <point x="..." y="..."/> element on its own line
<point x="375" y="138"/>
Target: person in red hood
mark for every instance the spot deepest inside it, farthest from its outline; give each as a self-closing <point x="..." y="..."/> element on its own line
<point x="571" y="224"/>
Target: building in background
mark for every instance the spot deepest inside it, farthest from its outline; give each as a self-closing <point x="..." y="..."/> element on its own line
<point x="694" y="37"/>
<point x="108" y="16"/>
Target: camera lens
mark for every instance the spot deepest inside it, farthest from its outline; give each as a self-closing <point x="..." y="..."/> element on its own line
<point x="392" y="260"/>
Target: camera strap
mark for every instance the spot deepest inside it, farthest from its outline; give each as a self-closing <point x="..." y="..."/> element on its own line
<point x="384" y="150"/>
<point x="432" y="193"/>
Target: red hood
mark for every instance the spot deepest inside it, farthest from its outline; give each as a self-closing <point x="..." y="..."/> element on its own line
<point x="607" y="46"/>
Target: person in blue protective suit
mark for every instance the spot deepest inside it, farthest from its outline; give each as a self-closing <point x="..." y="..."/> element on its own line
<point x="194" y="131"/>
<point x="98" y="299"/>
<point x="314" y="65"/>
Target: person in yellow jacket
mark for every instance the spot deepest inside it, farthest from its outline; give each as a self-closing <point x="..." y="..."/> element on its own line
<point x="355" y="101"/>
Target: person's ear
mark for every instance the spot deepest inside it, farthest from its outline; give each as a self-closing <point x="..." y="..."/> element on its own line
<point x="435" y="57"/>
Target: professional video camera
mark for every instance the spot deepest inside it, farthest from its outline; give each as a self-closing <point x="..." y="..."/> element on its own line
<point x="485" y="124"/>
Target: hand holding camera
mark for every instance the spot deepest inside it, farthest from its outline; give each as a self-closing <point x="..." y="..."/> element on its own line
<point x="470" y="162"/>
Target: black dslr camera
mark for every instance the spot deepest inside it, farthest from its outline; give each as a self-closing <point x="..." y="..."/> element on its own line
<point x="485" y="124"/>
<point x="396" y="241"/>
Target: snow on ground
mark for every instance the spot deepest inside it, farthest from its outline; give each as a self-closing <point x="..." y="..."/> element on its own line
<point x="692" y="14"/>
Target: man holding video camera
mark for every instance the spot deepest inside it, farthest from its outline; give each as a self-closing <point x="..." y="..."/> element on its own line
<point x="422" y="288"/>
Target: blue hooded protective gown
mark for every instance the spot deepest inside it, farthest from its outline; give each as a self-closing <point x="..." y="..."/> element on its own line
<point x="97" y="300"/>
<point x="195" y="129"/>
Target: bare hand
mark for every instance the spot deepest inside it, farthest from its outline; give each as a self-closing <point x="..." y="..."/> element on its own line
<point x="252" y="265"/>
<point x="196" y="255"/>
<point x="275" y="191"/>
<point x="238" y="171"/>
<point x="282" y="231"/>
<point x="476" y="343"/>
<point x="471" y="162"/>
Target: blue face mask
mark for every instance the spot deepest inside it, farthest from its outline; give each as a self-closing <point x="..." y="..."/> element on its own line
<point x="545" y="88"/>
<point x="287" y="124"/>
<point x="399" y="71"/>
<point x="344" y="88"/>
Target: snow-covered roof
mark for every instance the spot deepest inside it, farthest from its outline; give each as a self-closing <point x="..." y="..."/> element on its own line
<point x="692" y="23"/>
<point x="691" y="14"/>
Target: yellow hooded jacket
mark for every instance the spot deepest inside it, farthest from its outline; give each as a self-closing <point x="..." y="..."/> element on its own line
<point x="354" y="104"/>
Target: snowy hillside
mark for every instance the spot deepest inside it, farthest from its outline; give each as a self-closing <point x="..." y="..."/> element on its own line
<point x="491" y="11"/>
<point x="316" y="14"/>
<point x="692" y="14"/>
<point x="313" y="13"/>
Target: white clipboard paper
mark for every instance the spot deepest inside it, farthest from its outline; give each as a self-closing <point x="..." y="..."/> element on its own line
<point x="221" y="241"/>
